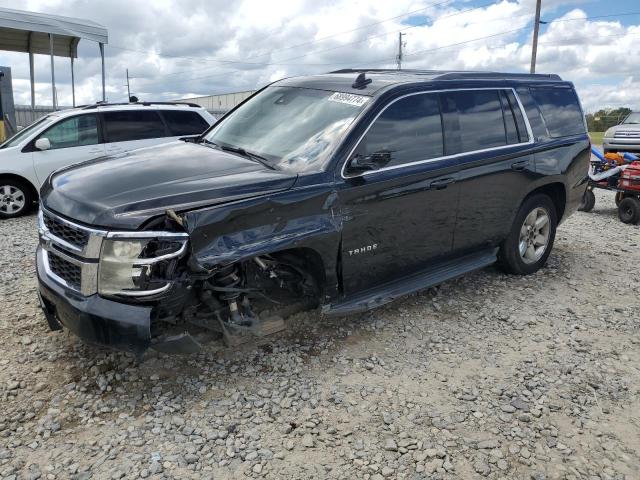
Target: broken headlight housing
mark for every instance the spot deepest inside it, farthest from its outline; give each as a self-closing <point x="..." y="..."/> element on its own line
<point x="139" y="265"/>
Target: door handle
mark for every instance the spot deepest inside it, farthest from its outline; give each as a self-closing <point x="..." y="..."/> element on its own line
<point x="442" y="183"/>
<point x="521" y="165"/>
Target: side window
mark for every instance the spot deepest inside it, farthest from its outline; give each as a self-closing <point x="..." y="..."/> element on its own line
<point x="181" y="122"/>
<point x="509" y="120"/>
<point x="533" y="113"/>
<point x="409" y="129"/>
<point x="479" y="118"/>
<point x="513" y="120"/>
<point x="560" y="110"/>
<point x="128" y="125"/>
<point x="517" y="113"/>
<point x="73" y="132"/>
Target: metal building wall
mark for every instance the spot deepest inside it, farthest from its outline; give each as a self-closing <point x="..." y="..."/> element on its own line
<point x="25" y="115"/>
<point x="220" y="104"/>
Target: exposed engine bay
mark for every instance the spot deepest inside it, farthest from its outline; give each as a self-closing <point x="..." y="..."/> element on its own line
<point x="235" y="302"/>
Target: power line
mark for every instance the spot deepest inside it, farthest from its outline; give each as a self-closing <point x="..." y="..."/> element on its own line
<point x="386" y="60"/>
<point x="284" y="62"/>
<point x="330" y="49"/>
<point x="206" y="59"/>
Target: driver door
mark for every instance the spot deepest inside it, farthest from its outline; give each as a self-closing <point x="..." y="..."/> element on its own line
<point x="399" y="218"/>
<point x="72" y="140"/>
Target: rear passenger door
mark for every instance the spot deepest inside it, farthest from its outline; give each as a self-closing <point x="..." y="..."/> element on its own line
<point x="129" y="129"/>
<point x="487" y="131"/>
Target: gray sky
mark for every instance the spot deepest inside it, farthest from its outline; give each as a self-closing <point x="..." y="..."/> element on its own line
<point x="195" y="47"/>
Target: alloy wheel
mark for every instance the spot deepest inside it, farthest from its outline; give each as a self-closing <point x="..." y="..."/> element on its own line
<point x="534" y="235"/>
<point x="12" y="199"/>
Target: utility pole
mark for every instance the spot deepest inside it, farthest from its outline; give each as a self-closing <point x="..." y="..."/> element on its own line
<point x="128" y="90"/>
<point x="536" y="27"/>
<point x="400" y="45"/>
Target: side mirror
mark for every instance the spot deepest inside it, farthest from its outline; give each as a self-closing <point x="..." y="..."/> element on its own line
<point x="374" y="161"/>
<point x="43" y="144"/>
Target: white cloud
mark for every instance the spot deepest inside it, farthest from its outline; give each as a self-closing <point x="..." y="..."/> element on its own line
<point x="177" y="48"/>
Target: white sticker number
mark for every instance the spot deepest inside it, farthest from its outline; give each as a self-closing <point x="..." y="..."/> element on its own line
<point x="349" y="98"/>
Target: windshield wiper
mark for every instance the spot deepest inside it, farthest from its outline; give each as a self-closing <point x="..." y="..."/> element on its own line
<point x="240" y="151"/>
<point x="245" y="153"/>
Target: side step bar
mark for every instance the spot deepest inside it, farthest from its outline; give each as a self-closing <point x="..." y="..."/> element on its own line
<point x="413" y="283"/>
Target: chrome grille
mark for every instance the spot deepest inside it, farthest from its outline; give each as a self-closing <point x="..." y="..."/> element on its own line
<point x="70" y="252"/>
<point x="67" y="271"/>
<point x="76" y="237"/>
<point x="627" y="134"/>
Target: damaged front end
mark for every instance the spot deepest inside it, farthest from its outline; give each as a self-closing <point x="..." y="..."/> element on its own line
<point x="143" y="289"/>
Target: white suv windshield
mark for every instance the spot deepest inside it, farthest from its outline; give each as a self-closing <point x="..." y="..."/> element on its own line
<point x="632" y="118"/>
<point x="22" y="134"/>
<point x="289" y="127"/>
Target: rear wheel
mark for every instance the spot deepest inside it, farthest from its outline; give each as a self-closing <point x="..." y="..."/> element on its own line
<point x="15" y="198"/>
<point x="588" y="201"/>
<point x="629" y="210"/>
<point x="530" y="241"/>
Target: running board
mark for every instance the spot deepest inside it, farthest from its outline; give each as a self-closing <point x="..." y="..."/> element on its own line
<point x="419" y="281"/>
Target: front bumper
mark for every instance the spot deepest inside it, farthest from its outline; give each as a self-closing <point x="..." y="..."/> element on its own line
<point x="621" y="144"/>
<point x="94" y="319"/>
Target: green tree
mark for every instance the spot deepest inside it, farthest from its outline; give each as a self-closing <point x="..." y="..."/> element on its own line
<point x="605" y="118"/>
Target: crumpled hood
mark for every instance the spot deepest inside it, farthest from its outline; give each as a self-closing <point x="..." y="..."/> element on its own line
<point x="125" y="191"/>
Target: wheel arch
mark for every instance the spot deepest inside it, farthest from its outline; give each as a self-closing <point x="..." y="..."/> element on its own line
<point x="558" y="194"/>
<point x="12" y="176"/>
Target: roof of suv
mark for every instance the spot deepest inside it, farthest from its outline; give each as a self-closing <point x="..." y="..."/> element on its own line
<point x="102" y="107"/>
<point x="344" y="80"/>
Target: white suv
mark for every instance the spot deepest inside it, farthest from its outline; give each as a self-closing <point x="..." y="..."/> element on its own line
<point x="72" y="136"/>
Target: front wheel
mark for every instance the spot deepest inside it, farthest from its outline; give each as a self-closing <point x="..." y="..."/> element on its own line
<point x="15" y="199"/>
<point x="530" y="241"/>
<point x="629" y="210"/>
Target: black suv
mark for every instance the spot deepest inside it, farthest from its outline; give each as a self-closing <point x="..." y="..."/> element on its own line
<point x="340" y="191"/>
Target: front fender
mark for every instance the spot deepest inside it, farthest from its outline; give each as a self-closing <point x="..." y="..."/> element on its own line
<point x="299" y="218"/>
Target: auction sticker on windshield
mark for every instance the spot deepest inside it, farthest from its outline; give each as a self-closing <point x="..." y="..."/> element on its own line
<point x="349" y="98"/>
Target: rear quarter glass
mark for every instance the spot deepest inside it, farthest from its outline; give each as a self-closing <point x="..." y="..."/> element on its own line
<point x="560" y="108"/>
<point x="533" y="114"/>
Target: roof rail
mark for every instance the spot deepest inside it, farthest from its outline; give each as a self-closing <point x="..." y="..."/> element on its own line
<point x="146" y="104"/>
<point x="454" y="74"/>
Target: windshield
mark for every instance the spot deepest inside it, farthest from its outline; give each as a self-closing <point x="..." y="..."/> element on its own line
<point x="290" y="128"/>
<point x="18" y="137"/>
<point x="632" y="118"/>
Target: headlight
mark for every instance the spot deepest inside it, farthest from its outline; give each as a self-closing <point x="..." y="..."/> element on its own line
<point x="609" y="132"/>
<point x="138" y="266"/>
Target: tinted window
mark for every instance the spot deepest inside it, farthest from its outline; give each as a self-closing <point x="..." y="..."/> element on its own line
<point x="129" y="125"/>
<point x="523" y="135"/>
<point x="509" y="120"/>
<point x="73" y="132"/>
<point x="184" y="123"/>
<point x="560" y="110"/>
<point x="533" y="113"/>
<point x="409" y="129"/>
<point x="479" y="118"/>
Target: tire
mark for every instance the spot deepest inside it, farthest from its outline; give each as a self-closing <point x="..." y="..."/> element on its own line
<point x="588" y="201"/>
<point x="618" y="198"/>
<point x="629" y="210"/>
<point x="537" y="234"/>
<point x="15" y="198"/>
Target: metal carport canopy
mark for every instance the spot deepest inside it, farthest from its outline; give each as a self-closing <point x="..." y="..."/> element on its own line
<point x="40" y="33"/>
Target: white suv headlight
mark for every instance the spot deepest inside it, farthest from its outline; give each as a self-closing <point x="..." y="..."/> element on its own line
<point x="138" y="266"/>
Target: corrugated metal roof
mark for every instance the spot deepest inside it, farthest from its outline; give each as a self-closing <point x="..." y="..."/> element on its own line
<point x="22" y="31"/>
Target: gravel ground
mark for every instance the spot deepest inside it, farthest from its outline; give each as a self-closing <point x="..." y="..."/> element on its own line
<point x="488" y="376"/>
